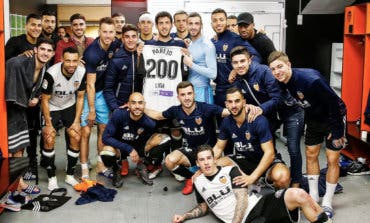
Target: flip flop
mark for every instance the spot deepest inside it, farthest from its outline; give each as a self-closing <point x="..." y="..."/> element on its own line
<point x="31" y="189"/>
<point x="29" y="175"/>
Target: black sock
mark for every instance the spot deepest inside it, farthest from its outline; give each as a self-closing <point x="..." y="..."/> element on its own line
<point x="72" y="157"/>
<point x="49" y="159"/>
<point x="110" y="161"/>
<point x="183" y="171"/>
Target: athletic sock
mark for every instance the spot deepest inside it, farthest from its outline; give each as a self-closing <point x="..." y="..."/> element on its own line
<point x="72" y="157"/>
<point x="329" y="194"/>
<point x="313" y="184"/>
<point x="110" y="160"/>
<point x="49" y="159"/>
<point x="99" y="159"/>
<point x="182" y="171"/>
<point x="84" y="166"/>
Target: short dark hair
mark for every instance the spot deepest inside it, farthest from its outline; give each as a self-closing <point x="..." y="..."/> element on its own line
<point x="32" y="16"/>
<point x="232" y="17"/>
<point x="277" y="55"/>
<point x="161" y="15"/>
<point x="184" y="84"/>
<point x="129" y="27"/>
<point x="106" y="20"/>
<point x="204" y="147"/>
<point x="46" y="41"/>
<point x="180" y="12"/>
<point x="239" y="50"/>
<point x="76" y="16"/>
<point x="232" y="90"/>
<point x="219" y="10"/>
<point x="195" y="14"/>
<point x="117" y="14"/>
<point x="48" y="13"/>
<point x="70" y="50"/>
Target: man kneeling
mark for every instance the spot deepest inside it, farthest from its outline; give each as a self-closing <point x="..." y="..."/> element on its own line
<point x="216" y="189"/>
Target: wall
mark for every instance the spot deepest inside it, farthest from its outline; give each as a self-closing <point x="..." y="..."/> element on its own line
<point x="25" y="7"/>
<point x="309" y="45"/>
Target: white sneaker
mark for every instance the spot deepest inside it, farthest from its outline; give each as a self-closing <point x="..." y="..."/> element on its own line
<point x="178" y="177"/>
<point x="155" y="172"/>
<point x="71" y="180"/>
<point x="53" y="183"/>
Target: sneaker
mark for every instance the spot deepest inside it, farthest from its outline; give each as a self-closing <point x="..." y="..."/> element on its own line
<point x="178" y="177"/>
<point x="71" y="180"/>
<point x="358" y="168"/>
<point x="328" y="211"/>
<point x="108" y="173"/>
<point x="155" y="172"/>
<point x="84" y="185"/>
<point x="53" y="183"/>
<point x="188" y="188"/>
<point x="124" y="168"/>
<point x="142" y="173"/>
<point x="117" y="180"/>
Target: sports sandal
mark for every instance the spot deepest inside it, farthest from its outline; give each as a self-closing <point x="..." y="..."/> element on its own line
<point x="31" y="189"/>
<point x="107" y="173"/>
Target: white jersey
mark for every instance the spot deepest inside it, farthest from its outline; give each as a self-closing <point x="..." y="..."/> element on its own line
<point x="219" y="195"/>
<point x="63" y="91"/>
<point x="163" y="74"/>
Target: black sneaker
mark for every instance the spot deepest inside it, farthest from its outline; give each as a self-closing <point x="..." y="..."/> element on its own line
<point x="358" y="168"/>
<point x="142" y="173"/>
<point x="117" y="180"/>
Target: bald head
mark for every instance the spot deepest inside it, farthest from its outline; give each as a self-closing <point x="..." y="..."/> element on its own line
<point x="136" y="105"/>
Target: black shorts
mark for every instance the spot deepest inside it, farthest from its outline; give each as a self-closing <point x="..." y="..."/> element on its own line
<point x="18" y="136"/>
<point x="165" y="126"/>
<point x="190" y="153"/>
<point x="67" y="116"/>
<point x="316" y="133"/>
<point x="271" y="208"/>
<point x="248" y="165"/>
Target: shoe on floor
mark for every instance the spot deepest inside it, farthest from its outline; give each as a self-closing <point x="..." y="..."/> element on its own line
<point x="178" y="177"/>
<point x="142" y="173"/>
<point x="53" y="183"/>
<point x="84" y="185"/>
<point x="188" y="188"/>
<point x="71" y="180"/>
<point x="108" y="173"/>
<point x="328" y="211"/>
<point x="156" y="170"/>
<point x="31" y="189"/>
<point x="117" y="180"/>
<point x="125" y="167"/>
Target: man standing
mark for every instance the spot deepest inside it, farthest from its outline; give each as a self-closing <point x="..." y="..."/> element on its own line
<point x="201" y="61"/>
<point x="232" y="24"/>
<point x="120" y="76"/>
<point x="77" y="39"/>
<point x="258" y="40"/>
<point x="96" y="57"/>
<point x="196" y="120"/>
<point x="119" y="21"/>
<point x="48" y="21"/>
<point x="25" y="43"/>
<point x="145" y="25"/>
<point x="224" y="42"/>
<point x="253" y="146"/>
<point x="61" y="83"/>
<point x="179" y="20"/>
<point x="216" y="190"/>
<point x="127" y="132"/>
<point x="325" y="117"/>
<point x="23" y="82"/>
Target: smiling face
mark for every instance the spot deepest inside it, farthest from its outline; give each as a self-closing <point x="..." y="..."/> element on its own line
<point x="106" y="33"/>
<point x="219" y="22"/>
<point x="48" y="24"/>
<point x="129" y="40"/>
<point x="136" y="105"/>
<point x="241" y="63"/>
<point x="78" y="27"/>
<point x="235" y="103"/>
<point x="70" y="62"/>
<point x="194" y="26"/>
<point x="164" y="26"/>
<point x="281" y="70"/>
<point x="246" y="31"/>
<point x="180" y="22"/>
<point x="186" y="97"/>
<point x="33" y="27"/>
<point x="44" y="52"/>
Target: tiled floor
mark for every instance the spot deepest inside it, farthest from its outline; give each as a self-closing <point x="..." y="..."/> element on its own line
<point x="136" y="202"/>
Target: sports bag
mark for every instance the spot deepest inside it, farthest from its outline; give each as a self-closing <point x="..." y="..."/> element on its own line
<point x="48" y="202"/>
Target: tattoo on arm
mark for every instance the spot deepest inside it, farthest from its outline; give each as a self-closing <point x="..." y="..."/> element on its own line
<point x="241" y="195"/>
<point x="198" y="211"/>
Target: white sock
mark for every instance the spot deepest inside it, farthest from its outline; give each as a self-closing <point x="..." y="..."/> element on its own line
<point x="84" y="166"/>
<point x="313" y="184"/>
<point x="98" y="158"/>
<point x="329" y="194"/>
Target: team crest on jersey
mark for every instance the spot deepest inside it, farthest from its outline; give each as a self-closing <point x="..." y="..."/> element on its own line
<point x="45" y="84"/>
<point x="300" y="95"/>
<point x="225" y="46"/>
<point x="140" y="130"/>
<point x="110" y="54"/>
<point x="256" y="86"/>
<point x="198" y="120"/>
<point x="247" y="135"/>
<point x="223" y="179"/>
